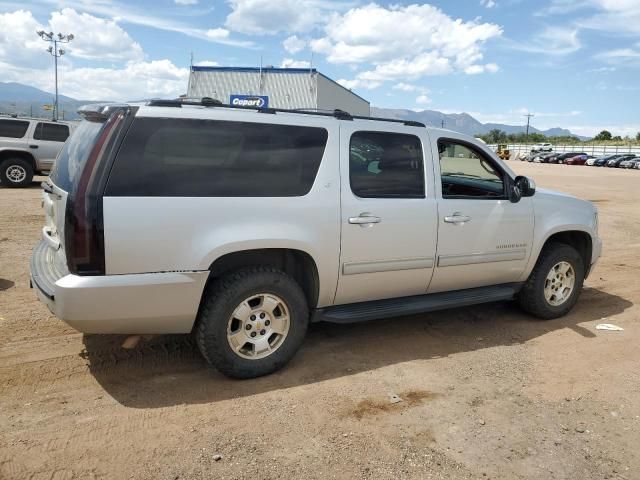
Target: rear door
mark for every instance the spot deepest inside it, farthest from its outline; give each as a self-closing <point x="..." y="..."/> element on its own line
<point x="388" y="212"/>
<point x="49" y="138"/>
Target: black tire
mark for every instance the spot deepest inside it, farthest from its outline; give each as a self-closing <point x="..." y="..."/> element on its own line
<point x="7" y="165"/>
<point x="532" y="299"/>
<point x="220" y="300"/>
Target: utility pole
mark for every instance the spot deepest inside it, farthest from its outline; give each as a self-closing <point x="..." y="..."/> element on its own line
<point x="441" y="123"/>
<point x="528" y="115"/>
<point x="55" y="52"/>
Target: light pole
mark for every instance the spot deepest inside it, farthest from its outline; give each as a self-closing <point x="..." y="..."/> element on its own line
<point x="55" y="53"/>
<point x="528" y="115"/>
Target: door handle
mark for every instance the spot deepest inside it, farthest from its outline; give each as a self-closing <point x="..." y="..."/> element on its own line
<point x="457" y="218"/>
<point x="33" y="146"/>
<point x="364" y="219"/>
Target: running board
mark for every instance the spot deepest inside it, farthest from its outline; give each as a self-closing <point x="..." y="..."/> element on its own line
<point x="395" y="307"/>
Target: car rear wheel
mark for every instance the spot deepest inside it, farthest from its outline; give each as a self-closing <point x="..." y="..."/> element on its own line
<point x="554" y="285"/>
<point x="252" y="322"/>
<point x="15" y="173"/>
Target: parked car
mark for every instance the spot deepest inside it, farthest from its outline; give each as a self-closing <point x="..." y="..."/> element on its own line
<point x="544" y="158"/>
<point x="602" y="161"/>
<point x="629" y="163"/>
<point x="29" y="146"/>
<point x="561" y="158"/>
<point x="542" y="147"/>
<point x="604" y="158"/>
<point x="578" y="159"/>
<point x="242" y="228"/>
<point x="615" y="162"/>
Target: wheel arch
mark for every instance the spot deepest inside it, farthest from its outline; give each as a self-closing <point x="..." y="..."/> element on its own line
<point x="6" y="154"/>
<point x="299" y="264"/>
<point x="575" y="237"/>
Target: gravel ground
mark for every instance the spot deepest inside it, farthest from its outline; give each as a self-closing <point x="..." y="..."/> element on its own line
<point x="487" y="392"/>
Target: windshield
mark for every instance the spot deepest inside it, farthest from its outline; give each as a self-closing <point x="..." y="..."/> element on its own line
<point x="74" y="155"/>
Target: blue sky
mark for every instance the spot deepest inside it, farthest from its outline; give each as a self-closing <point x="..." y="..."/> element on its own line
<point x="574" y="64"/>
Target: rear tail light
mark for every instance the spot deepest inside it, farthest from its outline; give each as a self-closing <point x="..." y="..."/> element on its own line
<point x="84" y="233"/>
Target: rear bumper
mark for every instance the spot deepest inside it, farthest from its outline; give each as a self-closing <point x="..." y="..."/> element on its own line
<point x="152" y="303"/>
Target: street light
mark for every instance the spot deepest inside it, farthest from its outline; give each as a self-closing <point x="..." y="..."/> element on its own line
<point x="55" y="52"/>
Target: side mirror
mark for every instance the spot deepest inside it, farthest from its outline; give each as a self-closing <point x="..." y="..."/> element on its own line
<point x="521" y="187"/>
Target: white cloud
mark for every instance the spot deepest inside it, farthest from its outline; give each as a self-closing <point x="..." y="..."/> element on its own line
<point x="95" y="38"/>
<point x="134" y="81"/>
<point x="291" y="63"/>
<point x="186" y="2"/>
<point x="425" y="41"/>
<point x="552" y="41"/>
<point x="293" y="44"/>
<point x="217" y="34"/>
<point x="620" y="56"/>
<point x="19" y="43"/>
<point x="612" y="16"/>
<point x="405" y="87"/>
<point x="207" y="63"/>
<point x="488" y="3"/>
<point x="359" y="83"/>
<point x="268" y="17"/>
<point x="423" y="100"/>
<point x="129" y="13"/>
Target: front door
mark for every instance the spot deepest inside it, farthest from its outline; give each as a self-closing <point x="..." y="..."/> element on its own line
<point x="388" y="213"/>
<point x="483" y="238"/>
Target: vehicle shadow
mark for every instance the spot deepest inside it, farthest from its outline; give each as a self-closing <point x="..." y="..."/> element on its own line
<point x="5" y="284"/>
<point x="168" y="370"/>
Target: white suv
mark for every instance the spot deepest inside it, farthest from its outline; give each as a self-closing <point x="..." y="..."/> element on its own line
<point x="242" y="225"/>
<point x="29" y="146"/>
<point x="542" y="147"/>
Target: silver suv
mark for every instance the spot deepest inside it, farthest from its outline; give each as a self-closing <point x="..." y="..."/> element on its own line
<point x="242" y="225"/>
<point x="27" y="147"/>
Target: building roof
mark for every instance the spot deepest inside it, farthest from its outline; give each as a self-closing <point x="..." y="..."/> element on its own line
<point x="296" y="71"/>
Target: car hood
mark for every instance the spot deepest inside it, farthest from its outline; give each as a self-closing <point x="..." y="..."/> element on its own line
<point x="559" y="199"/>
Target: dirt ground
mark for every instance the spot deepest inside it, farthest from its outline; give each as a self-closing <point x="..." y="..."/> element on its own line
<point x="487" y="391"/>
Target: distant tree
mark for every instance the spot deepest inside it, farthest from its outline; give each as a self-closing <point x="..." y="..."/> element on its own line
<point x="617" y="138"/>
<point x="603" y="135"/>
<point x="638" y="137"/>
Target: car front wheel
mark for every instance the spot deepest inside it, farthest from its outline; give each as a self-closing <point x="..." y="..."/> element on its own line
<point x="555" y="283"/>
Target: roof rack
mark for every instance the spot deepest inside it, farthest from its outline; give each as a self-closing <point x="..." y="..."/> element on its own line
<point x="337" y="113"/>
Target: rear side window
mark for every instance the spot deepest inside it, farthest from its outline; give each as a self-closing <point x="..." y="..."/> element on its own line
<point x="51" y="131"/>
<point x="13" y="128"/>
<point x="74" y="155"/>
<point x="210" y="158"/>
<point x="386" y="165"/>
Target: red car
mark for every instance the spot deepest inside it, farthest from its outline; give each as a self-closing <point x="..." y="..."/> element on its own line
<point x="577" y="160"/>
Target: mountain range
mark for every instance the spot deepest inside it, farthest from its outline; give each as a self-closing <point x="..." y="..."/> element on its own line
<point x="24" y="100"/>
<point x="461" y="122"/>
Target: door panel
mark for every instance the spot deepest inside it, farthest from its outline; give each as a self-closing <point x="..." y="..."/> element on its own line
<point x="388" y="244"/>
<point x="483" y="238"/>
<point x="491" y="248"/>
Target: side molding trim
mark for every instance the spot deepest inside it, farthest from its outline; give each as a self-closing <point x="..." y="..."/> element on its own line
<point x="475" y="258"/>
<point x="355" y="268"/>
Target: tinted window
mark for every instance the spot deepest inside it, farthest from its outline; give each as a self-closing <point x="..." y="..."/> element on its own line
<point x="74" y="154"/>
<point x="51" y="131"/>
<point x="191" y="158"/>
<point x="13" y="128"/>
<point x="466" y="172"/>
<point x="386" y="165"/>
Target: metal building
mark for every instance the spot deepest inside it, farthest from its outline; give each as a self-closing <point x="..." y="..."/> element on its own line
<point x="289" y="88"/>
